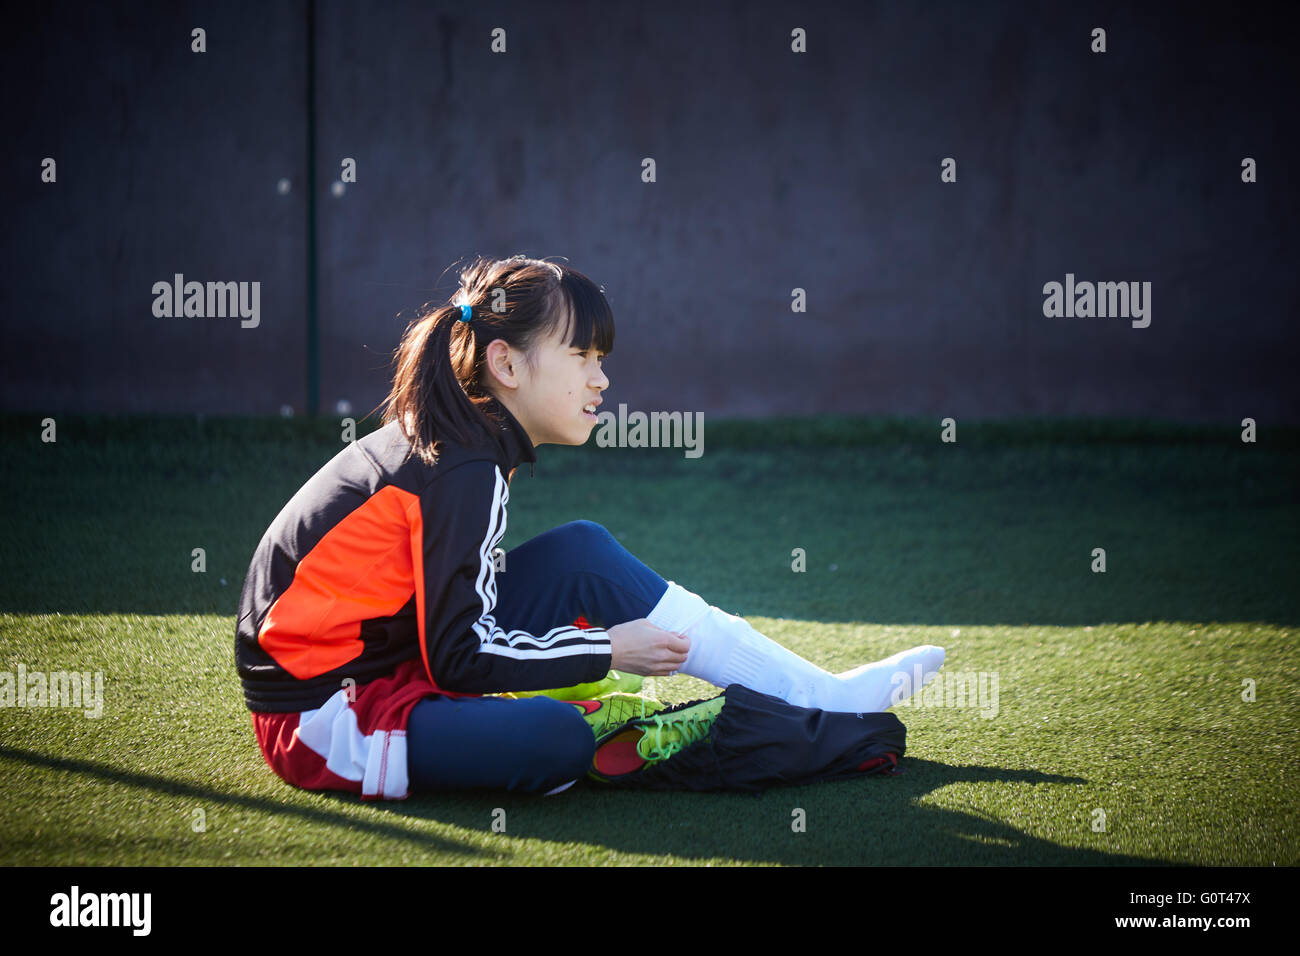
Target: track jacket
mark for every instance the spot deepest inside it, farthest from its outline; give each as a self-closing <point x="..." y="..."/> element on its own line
<point x="375" y="561"/>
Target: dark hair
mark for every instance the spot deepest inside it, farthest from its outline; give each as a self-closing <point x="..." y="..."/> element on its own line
<point x="439" y="390"/>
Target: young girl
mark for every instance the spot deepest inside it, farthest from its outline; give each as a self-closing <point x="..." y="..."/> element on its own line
<point x="376" y="611"/>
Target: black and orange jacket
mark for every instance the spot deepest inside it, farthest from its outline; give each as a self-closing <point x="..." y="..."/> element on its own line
<point x="377" y="559"/>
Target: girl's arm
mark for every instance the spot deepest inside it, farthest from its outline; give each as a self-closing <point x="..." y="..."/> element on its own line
<point x="459" y="521"/>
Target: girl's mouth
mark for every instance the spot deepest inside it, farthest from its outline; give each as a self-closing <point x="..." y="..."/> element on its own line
<point x="589" y="411"/>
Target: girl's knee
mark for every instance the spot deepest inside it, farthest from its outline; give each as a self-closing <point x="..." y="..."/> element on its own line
<point x="587" y="534"/>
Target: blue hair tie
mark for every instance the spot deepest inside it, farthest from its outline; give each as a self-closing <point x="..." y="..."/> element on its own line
<point x="466" y="313"/>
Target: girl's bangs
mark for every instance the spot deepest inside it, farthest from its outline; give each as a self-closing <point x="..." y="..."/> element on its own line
<point x="593" y="320"/>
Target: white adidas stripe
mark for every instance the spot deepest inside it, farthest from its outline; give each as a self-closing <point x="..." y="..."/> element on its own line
<point x="563" y="641"/>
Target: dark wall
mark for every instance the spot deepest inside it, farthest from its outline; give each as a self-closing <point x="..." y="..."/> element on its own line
<point x="168" y="162"/>
<point x="775" y="170"/>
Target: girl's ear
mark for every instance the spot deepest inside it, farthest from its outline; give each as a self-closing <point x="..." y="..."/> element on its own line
<point x="502" y="363"/>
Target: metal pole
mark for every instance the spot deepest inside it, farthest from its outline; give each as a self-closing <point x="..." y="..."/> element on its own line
<point x="313" y="332"/>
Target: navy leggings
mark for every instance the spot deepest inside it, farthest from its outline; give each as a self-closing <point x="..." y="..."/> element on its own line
<point x="535" y="743"/>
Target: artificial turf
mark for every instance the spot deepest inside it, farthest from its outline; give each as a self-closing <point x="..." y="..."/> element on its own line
<point x="1124" y="730"/>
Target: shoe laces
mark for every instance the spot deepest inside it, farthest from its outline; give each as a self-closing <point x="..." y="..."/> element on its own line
<point x="626" y="708"/>
<point x="680" y="729"/>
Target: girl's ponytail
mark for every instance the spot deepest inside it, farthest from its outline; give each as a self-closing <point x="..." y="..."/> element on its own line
<point x="439" y="389"/>
<point x="428" y="395"/>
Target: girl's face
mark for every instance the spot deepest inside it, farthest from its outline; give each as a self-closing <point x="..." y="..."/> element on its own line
<point x="548" y="396"/>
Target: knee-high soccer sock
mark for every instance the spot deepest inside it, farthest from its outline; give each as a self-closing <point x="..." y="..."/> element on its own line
<point x="726" y="649"/>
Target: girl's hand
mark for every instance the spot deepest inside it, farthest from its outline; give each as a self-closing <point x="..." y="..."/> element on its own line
<point x="640" y="647"/>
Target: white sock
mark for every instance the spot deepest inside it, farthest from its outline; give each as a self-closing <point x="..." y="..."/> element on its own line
<point x="726" y="649"/>
<point x="900" y="675"/>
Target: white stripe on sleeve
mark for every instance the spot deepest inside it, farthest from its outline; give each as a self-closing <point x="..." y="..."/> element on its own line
<point x="563" y="641"/>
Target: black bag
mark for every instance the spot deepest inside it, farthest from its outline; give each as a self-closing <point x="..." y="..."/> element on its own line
<point x="760" y="741"/>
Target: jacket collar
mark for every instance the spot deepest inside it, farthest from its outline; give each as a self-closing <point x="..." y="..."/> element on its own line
<point x="515" y="445"/>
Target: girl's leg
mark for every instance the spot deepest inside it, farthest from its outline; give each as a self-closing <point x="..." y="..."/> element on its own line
<point x="579" y="568"/>
<point x="726" y="649"/>
<point x="534" y="745"/>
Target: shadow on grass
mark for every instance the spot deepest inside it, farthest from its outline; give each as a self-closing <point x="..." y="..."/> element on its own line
<point x="873" y="820"/>
<point x="869" y="821"/>
<point x="160" y="784"/>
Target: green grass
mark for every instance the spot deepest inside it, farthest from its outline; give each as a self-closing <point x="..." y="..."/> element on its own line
<point x="1119" y="692"/>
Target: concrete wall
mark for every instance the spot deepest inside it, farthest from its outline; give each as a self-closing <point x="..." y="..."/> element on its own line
<point x="775" y="170"/>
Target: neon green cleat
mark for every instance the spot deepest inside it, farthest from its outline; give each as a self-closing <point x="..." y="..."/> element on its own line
<point x="645" y="741"/>
<point x="606" y="714"/>
<point x="667" y="733"/>
<point x="615" y="682"/>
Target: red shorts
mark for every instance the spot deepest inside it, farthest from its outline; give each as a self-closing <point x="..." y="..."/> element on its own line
<point x="355" y="741"/>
